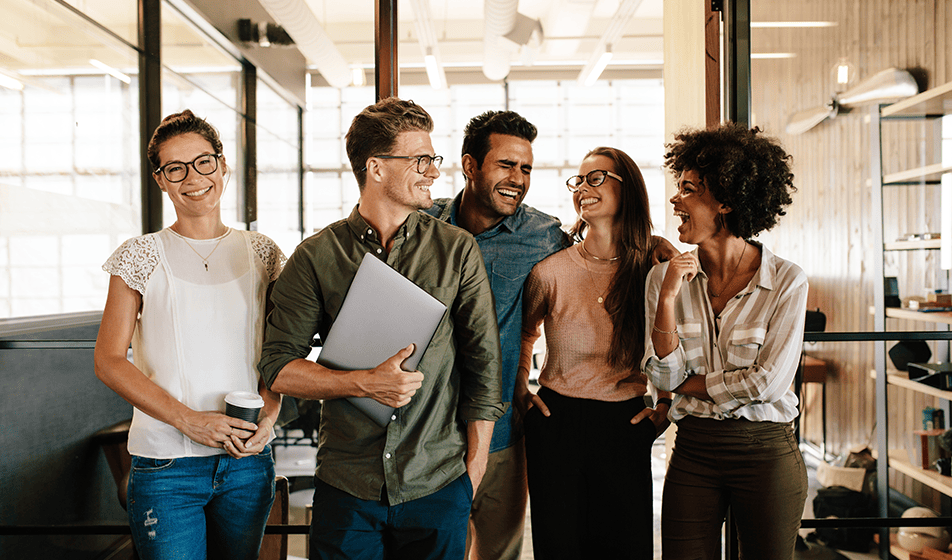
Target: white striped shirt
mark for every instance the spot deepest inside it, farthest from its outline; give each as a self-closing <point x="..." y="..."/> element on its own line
<point x="748" y="354"/>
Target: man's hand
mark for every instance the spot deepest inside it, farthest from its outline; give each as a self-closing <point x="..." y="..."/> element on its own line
<point x="389" y="384"/>
<point x="662" y="251"/>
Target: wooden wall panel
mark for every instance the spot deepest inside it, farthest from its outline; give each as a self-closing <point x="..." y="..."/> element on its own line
<point x="828" y="230"/>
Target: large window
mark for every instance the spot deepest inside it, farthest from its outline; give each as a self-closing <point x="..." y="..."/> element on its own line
<point x="69" y="164"/>
<point x="200" y="76"/>
<point x="279" y="175"/>
<point x="571" y="120"/>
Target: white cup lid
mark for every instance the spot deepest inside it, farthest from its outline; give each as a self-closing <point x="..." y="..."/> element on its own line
<point x="244" y="399"/>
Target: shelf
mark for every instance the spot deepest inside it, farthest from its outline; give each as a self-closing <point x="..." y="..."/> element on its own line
<point x="918" y="175"/>
<point x="935" y="101"/>
<point x="913" y="245"/>
<point x="901" y="379"/>
<point x="943" y="317"/>
<point x="932" y="479"/>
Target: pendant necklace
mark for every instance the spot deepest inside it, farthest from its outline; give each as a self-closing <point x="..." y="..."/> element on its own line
<point x="204" y="259"/>
<point x="600" y="299"/>
<point x="732" y="276"/>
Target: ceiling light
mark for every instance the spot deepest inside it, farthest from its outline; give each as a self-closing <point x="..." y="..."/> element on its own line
<point x="432" y="70"/>
<point x="596" y="70"/>
<point x="10" y="83"/>
<point x="360" y="78"/>
<point x="788" y="24"/>
<point x="111" y="71"/>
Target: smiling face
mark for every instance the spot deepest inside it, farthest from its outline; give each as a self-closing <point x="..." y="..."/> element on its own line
<point x="697" y="208"/>
<point x="402" y="185"/>
<point x="198" y="195"/>
<point x="602" y="202"/>
<point x="500" y="184"/>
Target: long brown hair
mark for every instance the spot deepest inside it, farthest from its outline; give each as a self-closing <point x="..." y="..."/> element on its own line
<point x="625" y="301"/>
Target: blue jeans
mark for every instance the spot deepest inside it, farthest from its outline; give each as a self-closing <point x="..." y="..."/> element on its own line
<point x="200" y="507"/>
<point x="429" y="528"/>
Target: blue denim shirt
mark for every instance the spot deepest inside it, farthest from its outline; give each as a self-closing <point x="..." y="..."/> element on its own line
<point x="510" y="249"/>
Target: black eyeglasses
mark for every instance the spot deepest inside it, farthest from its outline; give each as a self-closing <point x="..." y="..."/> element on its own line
<point x="593" y="178"/>
<point x="422" y="162"/>
<point x="177" y="171"/>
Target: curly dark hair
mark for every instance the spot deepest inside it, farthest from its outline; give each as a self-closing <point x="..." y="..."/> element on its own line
<point x="745" y="170"/>
<point x="477" y="132"/>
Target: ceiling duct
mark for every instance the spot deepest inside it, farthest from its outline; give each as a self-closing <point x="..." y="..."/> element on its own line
<point x="499" y="19"/>
<point x="302" y="25"/>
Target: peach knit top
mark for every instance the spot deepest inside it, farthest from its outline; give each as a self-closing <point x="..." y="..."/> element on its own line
<point x="561" y="294"/>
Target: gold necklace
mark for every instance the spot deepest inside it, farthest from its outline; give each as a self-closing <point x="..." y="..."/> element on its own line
<point x="204" y="259"/>
<point x="584" y="250"/>
<point x="600" y="299"/>
<point x="732" y="276"/>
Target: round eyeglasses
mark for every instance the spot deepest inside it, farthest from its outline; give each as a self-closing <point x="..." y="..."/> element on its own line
<point x="422" y="162"/>
<point x="593" y="178"/>
<point x="177" y="171"/>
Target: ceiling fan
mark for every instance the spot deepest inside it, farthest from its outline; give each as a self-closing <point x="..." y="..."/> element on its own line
<point x="891" y="84"/>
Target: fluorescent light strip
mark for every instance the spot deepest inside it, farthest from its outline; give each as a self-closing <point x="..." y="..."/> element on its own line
<point x="599" y="67"/>
<point x="111" y="71"/>
<point x="10" y="83"/>
<point x="432" y="71"/>
<point x="771" y="56"/>
<point x="791" y="24"/>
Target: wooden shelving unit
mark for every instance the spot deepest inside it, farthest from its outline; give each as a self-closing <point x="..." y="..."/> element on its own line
<point x="930" y="104"/>
<point x="913" y="245"/>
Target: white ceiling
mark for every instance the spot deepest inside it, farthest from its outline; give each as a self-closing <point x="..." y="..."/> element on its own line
<point x="571" y="28"/>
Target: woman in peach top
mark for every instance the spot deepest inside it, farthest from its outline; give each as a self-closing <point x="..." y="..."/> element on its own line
<point x="588" y="430"/>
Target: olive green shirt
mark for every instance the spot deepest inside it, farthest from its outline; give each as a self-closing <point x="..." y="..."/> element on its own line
<point x="424" y="447"/>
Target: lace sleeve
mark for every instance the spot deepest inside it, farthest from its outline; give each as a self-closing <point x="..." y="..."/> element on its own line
<point x="134" y="261"/>
<point x="269" y="253"/>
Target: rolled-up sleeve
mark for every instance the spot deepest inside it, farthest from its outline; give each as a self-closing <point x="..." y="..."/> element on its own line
<point x="476" y="332"/>
<point x="666" y="373"/>
<point x="295" y="317"/>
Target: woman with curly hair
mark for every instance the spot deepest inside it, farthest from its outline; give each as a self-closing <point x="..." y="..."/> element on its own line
<point x="724" y="333"/>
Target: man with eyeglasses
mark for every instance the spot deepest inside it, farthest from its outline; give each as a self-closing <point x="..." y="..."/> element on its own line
<point x="404" y="490"/>
<point x="513" y="237"/>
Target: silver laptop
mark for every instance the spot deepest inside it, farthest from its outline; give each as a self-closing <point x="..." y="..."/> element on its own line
<point x="383" y="312"/>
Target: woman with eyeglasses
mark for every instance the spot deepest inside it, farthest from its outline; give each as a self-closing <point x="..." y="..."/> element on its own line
<point x="588" y="430"/>
<point x="725" y="330"/>
<point x="191" y="301"/>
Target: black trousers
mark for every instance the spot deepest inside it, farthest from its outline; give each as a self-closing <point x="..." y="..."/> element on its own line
<point x="589" y="479"/>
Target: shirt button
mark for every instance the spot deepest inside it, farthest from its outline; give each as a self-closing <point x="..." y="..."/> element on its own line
<point x="394" y="417"/>
<point x="387" y="455"/>
<point x="379" y="251"/>
<point x="370" y="232"/>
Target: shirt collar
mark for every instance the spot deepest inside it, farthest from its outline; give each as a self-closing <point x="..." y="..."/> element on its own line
<point x="510" y="223"/>
<point x="365" y="231"/>
<point x="764" y="277"/>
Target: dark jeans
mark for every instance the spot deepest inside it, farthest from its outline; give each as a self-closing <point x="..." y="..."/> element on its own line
<point x="428" y="528"/>
<point x="753" y="467"/>
<point x="589" y="479"/>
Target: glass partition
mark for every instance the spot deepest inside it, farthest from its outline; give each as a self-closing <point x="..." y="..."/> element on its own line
<point x="279" y="175"/>
<point x="69" y="165"/>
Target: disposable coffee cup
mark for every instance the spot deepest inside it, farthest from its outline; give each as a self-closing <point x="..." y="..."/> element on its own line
<point x="243" y="405"/>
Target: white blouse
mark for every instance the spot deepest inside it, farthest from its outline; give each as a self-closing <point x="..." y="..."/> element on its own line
<point x="200" y="330"/>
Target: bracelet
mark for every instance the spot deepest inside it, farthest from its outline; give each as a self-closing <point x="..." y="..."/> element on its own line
<point x="664" y="400"/>
<point x="655" y="327"/>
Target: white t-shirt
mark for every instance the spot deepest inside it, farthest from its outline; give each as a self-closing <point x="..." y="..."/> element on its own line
<point x="200" y="330"/>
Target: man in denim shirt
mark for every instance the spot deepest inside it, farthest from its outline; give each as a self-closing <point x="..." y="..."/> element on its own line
<point x="513" y="237"/>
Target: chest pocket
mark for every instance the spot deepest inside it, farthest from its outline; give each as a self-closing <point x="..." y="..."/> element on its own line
<point x="691" y="335"/>
<point x="507" y="277"/>
<point x="744" y="346"/>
